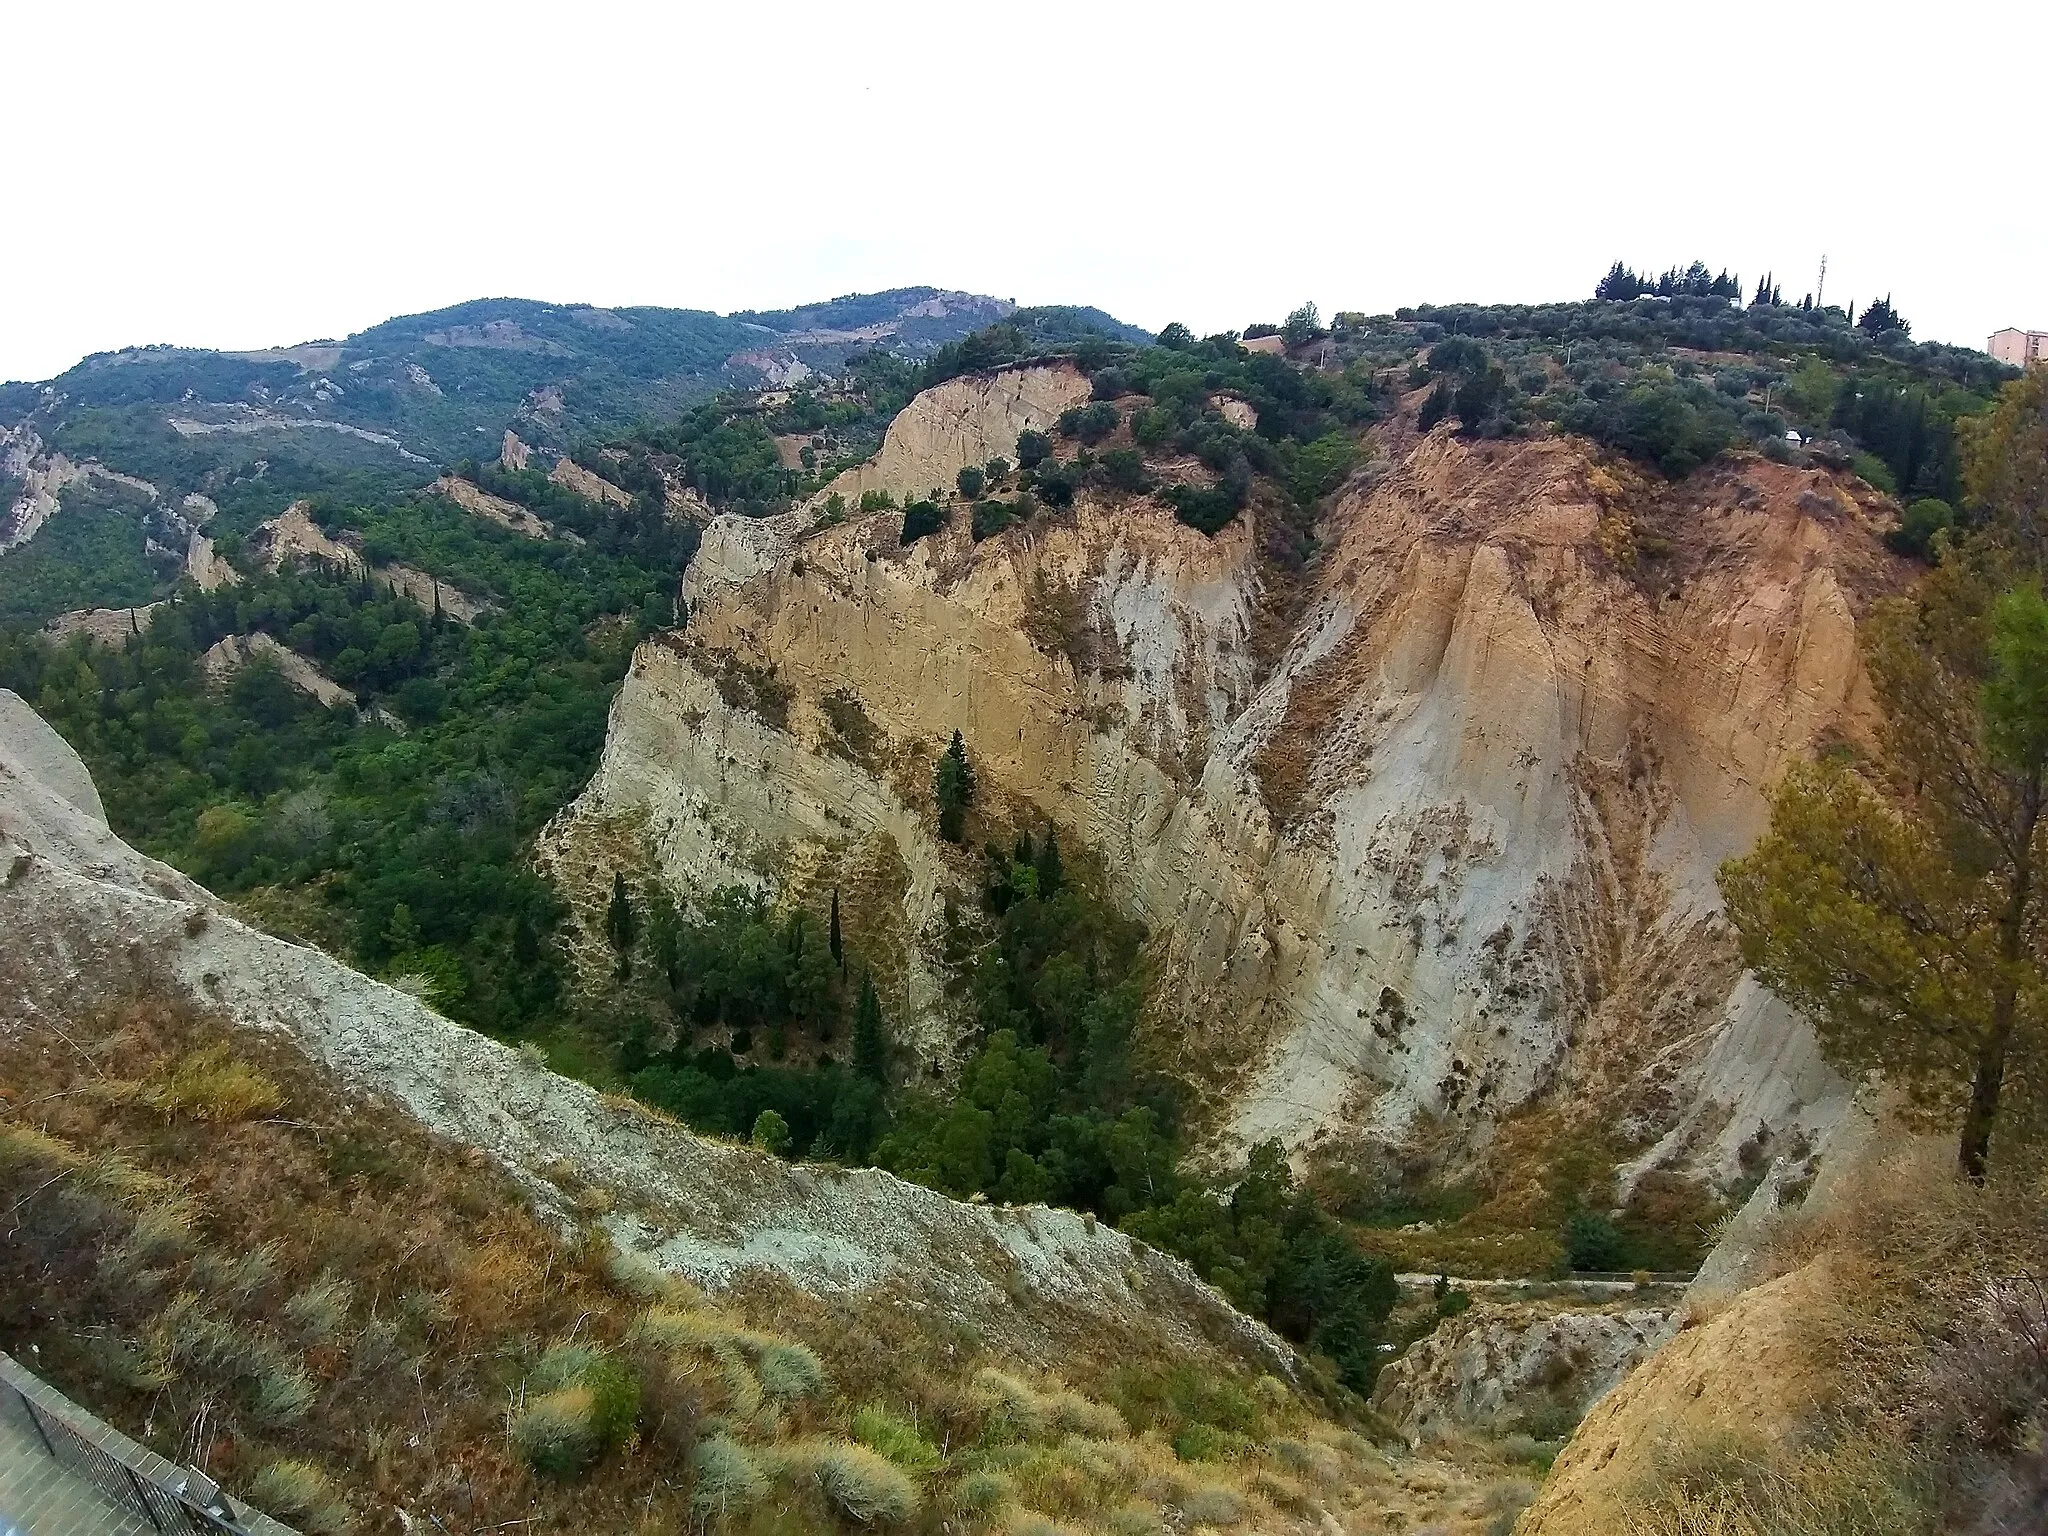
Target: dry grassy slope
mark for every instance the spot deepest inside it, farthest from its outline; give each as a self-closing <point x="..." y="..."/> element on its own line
<point x="1453" y="852"/>
<point x="1746" y="1375"/>
<point x="86" y="916"/>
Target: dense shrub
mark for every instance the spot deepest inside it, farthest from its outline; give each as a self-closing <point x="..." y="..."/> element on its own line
<point x="1055" y="483"/>
<point x="1088" y="423"/>
<point x="1676" y="425"/>
<point x="1917" y="527"/>
<point x="1123" y="469"/>
<point x="992" y="517"/>
<point x="921" y="518"/>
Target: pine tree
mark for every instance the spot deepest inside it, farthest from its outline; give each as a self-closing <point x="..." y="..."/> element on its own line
<point x="1050" y="874"/>
<point x="870" y="1044"/>
<point x="953" y="787"/>
<point x="833" y="939"/>
<point x="1902" y="904"/>
<point x="621" y="925"/>
<point x="1619" y="283"/>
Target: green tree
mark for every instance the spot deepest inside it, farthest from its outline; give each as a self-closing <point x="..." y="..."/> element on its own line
<point x="1881" y="317"/>
<point x="1811" y="393"/>
<point x="771" y="1133"/>
<point x="665" y="936"/>
<point x="870" y="1040"/>
<point x="621" y="925"/>
<point x="1902" y="906"/>
<point x="1033" y="448"/>
<point x="1926" y="874"/>
<point x="1302" y="326"/>
<point x="953" y="788"/>
<point x="1051" y="875"/>
<point x="1437" y="406"/>
<point x="971" y="481"/>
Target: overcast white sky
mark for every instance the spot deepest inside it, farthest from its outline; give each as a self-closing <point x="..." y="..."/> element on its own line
<point x="246" y="175"/>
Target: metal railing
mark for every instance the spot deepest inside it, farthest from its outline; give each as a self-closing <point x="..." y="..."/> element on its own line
<point x="175" y="1500"/>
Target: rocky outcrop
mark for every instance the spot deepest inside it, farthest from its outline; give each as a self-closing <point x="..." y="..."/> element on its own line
<point x="1500" y="1367"/>
<point x="228" y="656"/>
<point x="43" y="479"/>
<point x="479" y="502"/>
<point x="572" y="476"/>
<point x="1450" y="853"/>
<point x="86" y="916"/>
<point x="206" y="568"/>
<point x="293" y="535"/>
<point x="963" y="421"/>
<point x="107" y="626"/>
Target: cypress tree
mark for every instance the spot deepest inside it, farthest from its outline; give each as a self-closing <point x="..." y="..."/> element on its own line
<point x="1050" y="874"/>
<point x="953" y="788"/>
<point x="833" y="939"/>
<point x="620" y="924"/>
<point x="870" y="1044"/>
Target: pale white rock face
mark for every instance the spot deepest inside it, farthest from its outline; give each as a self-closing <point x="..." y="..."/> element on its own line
<point x="85" y="915"/>
<point x="293" y="535"/>
<point x="31" y="751"/>
<point x="963" y="421"/>
<point x="1449" y="850"/>
<point x="109" y="626"/>
<point x="43" y="479"/>
<point x="1487" y="1367"/>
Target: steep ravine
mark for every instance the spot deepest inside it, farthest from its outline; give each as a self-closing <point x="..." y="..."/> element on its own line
<point x="1451" y="854"/>
<point x="90" y="922"/>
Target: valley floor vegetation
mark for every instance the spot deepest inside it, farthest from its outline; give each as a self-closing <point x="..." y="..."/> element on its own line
<point x="763" y="1026"/>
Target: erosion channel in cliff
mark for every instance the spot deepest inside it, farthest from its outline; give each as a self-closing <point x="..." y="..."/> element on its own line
<point x="1439" y="850"/>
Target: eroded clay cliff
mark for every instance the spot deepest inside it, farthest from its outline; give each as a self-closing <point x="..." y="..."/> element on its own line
<point x="1449" y="849"/>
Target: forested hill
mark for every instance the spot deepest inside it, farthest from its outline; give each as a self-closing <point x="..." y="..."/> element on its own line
<point x="443" y="384"/>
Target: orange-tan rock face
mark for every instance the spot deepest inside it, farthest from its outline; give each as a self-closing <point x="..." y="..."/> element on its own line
<point x="1452" y="852"/>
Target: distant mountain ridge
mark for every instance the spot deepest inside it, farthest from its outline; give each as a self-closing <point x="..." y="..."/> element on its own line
<point x="444" y="383"/>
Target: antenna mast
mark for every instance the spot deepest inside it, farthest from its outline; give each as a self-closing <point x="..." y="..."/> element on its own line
<point x="1821" y="287"/>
